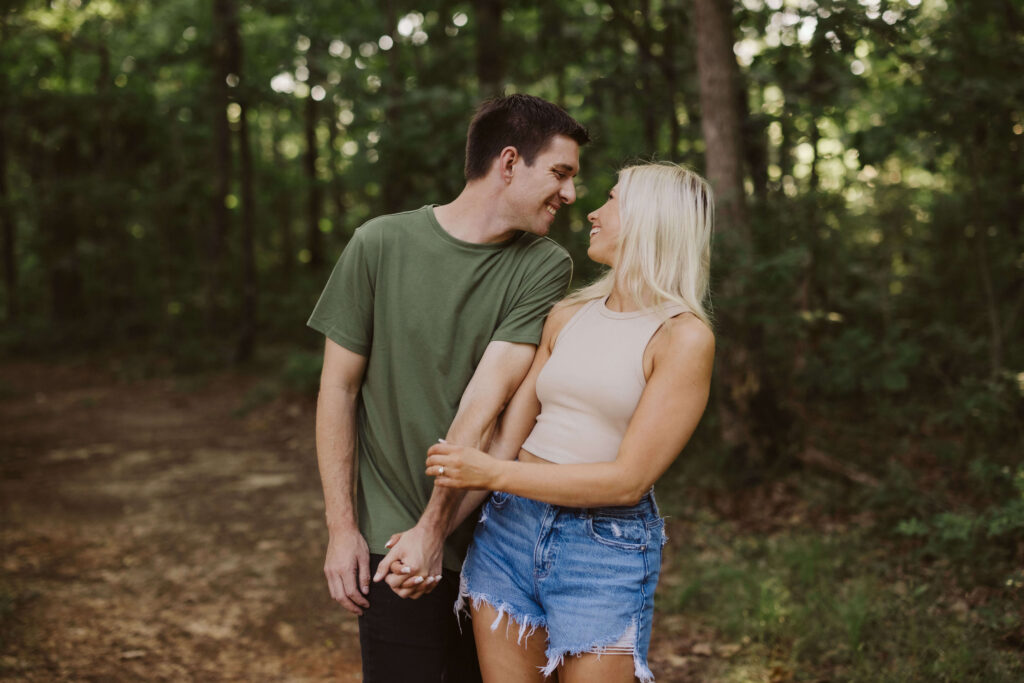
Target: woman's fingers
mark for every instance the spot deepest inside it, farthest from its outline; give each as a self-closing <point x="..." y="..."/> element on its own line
<point x="441" y="449"/>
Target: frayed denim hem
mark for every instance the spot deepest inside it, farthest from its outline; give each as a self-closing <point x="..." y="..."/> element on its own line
<point x="556" y="658"/>
<point x="527" y="624"/>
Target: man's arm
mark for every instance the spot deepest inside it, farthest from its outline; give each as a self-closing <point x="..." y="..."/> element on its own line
<point x="500" y="371"/>
<point x="347" y="565"/>
<point x="518" y="420"/>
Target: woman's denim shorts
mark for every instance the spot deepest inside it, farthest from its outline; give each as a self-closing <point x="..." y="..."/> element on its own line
<point x="586" y="575"/>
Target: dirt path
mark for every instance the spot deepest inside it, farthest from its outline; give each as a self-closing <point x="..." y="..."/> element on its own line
<point x="152" y="532"/>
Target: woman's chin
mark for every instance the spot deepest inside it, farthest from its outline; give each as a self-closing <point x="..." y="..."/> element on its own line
<point x="595" y="256"/>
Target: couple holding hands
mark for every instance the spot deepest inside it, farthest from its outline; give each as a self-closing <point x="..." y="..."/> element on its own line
<point x="457" y="372"/>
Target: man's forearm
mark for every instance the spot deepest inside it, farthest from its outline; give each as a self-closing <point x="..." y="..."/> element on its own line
<point x="445" y="510"/>
<point x="335" y="450"/>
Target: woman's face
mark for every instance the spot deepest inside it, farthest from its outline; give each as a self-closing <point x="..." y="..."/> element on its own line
<point x="604" y="231"/>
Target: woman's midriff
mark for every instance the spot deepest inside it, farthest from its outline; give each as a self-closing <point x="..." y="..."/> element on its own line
<point x="527" y="456"/>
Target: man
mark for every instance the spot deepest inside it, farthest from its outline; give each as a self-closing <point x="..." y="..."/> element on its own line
<point x="432" y="318"/>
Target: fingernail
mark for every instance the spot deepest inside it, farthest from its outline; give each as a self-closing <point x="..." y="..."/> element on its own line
<point x="437" y="578"/>
<point x="441" y="441"/>
<point x="406" y="570"/>
<point x="418" y="579"/>
<point x="431" y="579"/>
<point x="366" y="590"/>
<point x="389" y="544"/>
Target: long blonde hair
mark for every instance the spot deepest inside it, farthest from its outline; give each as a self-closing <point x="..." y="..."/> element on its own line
<point x="666" y="213"/>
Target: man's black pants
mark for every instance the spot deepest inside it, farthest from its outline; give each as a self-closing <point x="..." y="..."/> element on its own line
<point x="416" y="641"/>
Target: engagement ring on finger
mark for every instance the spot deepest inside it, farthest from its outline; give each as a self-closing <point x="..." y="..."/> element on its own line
<point x="440" y="469"/>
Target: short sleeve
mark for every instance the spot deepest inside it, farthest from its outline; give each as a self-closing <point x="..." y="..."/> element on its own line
<point x="344" y="312"/>
<point x="547" y="285"/>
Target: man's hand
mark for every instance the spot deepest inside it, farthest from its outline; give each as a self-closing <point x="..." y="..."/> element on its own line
<point x="347" y="568"/>
<point x="412" y="567"/>
<point x="461" y="467"/>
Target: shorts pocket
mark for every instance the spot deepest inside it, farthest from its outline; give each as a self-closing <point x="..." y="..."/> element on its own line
<point x="656" y="529"/>
<point x="624" y="533"/>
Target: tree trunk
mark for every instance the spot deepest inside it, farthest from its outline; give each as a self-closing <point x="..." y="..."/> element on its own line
<point x="314" y="198"/>
<point x="233" y="62"/>
<point x="490" y="63"/>
<point x="737" y="381"/>
<point x="223" y="12"/>
<point x="247" y="338"/>
<point x="720" y="121"/>
<point x="7" y="228"/>
<point x="396" y="189"/>
<point x="337" y="184"/>
<point x="283" y="211"/>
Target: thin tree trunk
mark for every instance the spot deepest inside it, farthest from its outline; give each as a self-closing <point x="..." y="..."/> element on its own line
<point x="490" y="62"/>
<point x="222" y="16"/>
<point x="7" y="228"/>
<point x="314" y="198"/>
<point x="814" y="181"/>
<point x="247" y="339"/>
<point x="337" y="183"/>
<point x="233" y="62"/>
<point x="396" y="190"/>
<point x="283" y="210"/>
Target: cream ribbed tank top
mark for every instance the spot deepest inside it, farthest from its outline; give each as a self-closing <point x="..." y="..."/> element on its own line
<point x="591" y="384"/>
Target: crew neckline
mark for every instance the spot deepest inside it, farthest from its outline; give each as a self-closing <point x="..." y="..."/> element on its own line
<point x="603" y="309"/>
<point x="621" y="315"/>
<point x="476" y="246"/>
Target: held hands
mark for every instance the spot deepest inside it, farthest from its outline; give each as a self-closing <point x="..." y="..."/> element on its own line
<point x="412" y="567"/>
<point x="461" y="467"/>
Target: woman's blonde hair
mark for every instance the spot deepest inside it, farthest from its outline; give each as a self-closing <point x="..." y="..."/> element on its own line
<point x="666" y="214"/>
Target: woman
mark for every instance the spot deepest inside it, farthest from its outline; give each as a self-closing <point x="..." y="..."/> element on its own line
<point x="618" y="385"/>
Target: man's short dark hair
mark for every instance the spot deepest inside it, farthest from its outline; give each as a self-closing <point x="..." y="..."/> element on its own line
<point x="522" y="121"/>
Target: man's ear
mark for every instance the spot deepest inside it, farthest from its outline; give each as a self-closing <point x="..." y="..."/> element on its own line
<point x="506" y="162"/>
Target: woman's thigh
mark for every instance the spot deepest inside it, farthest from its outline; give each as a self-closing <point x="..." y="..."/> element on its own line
<point x="504" y="657"/>
<point x="608" y="668"/>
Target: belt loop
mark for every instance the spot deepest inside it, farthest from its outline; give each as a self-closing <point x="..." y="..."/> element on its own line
<point x="652" y="503"/>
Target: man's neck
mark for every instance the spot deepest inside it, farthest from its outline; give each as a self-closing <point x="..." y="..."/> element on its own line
<point x="475" y="216"/>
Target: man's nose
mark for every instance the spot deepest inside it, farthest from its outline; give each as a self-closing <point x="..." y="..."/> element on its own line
<point x="568" y="193"/>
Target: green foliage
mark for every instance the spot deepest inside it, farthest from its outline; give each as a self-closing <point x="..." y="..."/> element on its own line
<point x="986" y="538"/>
<point x="834" y="607"/>
<point x="301" y="372"/>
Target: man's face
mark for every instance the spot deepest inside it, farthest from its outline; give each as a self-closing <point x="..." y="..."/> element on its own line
<point x="537" y="192"/>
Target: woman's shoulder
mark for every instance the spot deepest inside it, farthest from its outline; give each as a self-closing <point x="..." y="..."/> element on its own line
<point x="560" y="314"/>
<point x="687" y="335"/>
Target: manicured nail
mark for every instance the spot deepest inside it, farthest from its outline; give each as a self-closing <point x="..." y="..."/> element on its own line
<point x="389" y="544"/>
<point x="437" y="578"/>
<point x="441" y="441"/>
<point x="418" y="579"/>
<point x="406" y="570"/>
<point x="431" y="579"/>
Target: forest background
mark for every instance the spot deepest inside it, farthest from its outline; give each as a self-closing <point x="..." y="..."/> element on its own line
<point x="178" y="177"/>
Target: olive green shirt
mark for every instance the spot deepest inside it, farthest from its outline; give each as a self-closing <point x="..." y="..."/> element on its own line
<point x="422" y="306"/>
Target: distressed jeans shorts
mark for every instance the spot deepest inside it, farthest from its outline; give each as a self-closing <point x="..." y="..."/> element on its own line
<point x="586" y="575"/>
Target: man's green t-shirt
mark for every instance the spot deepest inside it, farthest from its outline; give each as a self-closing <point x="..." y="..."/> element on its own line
<point x="422" y="306"/>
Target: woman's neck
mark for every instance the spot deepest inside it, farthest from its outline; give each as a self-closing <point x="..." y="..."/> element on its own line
<point x="619" y="302"/>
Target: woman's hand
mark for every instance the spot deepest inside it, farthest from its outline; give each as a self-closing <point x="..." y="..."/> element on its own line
<point x="459" y="467"/>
